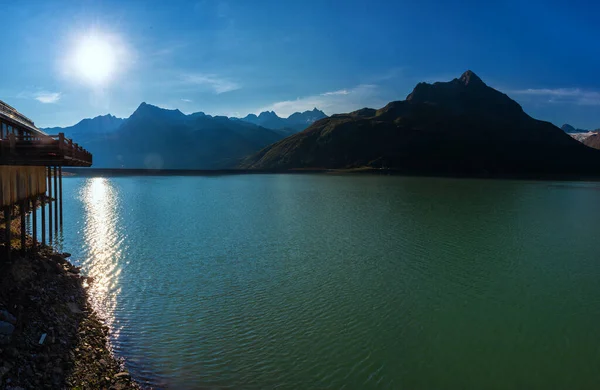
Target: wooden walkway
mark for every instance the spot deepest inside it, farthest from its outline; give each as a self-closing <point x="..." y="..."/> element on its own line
<point x="31" y="164"/>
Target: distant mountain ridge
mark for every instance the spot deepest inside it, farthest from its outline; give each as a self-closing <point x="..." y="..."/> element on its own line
<point x="154" y="137"/>
<point x="460" y="127"/>
<point x="157" y="138"/>
<point x="268" y="119"/>
<point x="298" y="121"/>
<point x="581" y="135"/>
<point x="89" y="128"/>
<point x="571" y="130"/>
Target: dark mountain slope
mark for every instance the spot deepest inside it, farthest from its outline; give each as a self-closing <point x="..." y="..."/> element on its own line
<point x="458" y="127"/>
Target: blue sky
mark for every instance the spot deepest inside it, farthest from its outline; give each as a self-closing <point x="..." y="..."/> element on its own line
<point x="235" y="57"/>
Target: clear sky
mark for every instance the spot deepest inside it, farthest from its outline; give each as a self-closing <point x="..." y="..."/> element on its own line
<point x="64" y="61"/>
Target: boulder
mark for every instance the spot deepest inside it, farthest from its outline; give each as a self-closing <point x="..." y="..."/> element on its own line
<point x="58" y="258"/>
<point x="73" y="307"/>
<point x="4" y="339"/>
<point x="6" y="328"/>
<point x="7" y="317"/>
<point x="4" y="370"/>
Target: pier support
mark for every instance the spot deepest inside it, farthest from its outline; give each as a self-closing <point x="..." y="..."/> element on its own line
<point x="34" y="225"/>
<point x="7" y="235"/>
<point x="56" y="198"/>
<point x="60" y="196"/>
<point x="22" y="212"/>
<point x="50" y="206"/>
<point x="43" y="227"/>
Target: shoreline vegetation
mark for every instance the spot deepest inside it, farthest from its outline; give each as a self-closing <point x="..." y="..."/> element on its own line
<point x="100" y="172"/>
<point x="50" y="336"/>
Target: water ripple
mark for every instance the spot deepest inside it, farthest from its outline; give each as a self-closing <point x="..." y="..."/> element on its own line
<point x="341" y="282"/>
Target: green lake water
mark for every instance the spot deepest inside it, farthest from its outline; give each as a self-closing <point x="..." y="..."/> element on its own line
<point x="322" y="281"/>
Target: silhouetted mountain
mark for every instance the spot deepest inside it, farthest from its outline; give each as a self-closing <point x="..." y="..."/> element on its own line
<point x="298" y="121"/>
<point x="154" y="137"/>
<point x="570" y="129"/>
<point x="89" y="129"/>
<point x="461" y="127"/>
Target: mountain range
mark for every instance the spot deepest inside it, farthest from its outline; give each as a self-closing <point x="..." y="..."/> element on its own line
<point x="572" y="130"/>
<point x="153" y="137"/>
<point x="156" y="138"/>
<point x="460" y="127"/>
<point x="287" y="126"/>
<point x="587" y="137"/>
<point x="89" y="129"/>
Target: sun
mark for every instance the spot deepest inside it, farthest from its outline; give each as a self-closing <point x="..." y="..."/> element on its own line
<point x="95" y="58"/>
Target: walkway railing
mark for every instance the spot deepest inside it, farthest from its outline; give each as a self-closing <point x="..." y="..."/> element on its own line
<point x="44" y="148"/>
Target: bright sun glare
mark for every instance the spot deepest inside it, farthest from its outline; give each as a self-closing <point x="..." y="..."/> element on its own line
<point x="95" y="58"/>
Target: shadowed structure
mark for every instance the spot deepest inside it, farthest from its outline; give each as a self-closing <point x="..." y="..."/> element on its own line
<point x="27" y="158"/>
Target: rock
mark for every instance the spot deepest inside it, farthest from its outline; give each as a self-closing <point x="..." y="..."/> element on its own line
<point x="4" y="339"/>
<point x="6" y="328"/>
<point x="11" y="352"/>
<point x="74" y="308"/>
<point x="7" y="317"/>
<point x="42" y="357"/>
<point x="46" y="265"/>
<point x="66" y="255"/>
<point x="123" y="375"/>
<point x="28" y="371"/>
<point x="59" y="268"/>
<point x="4" y="370"/>
<point x="59" y="259"/>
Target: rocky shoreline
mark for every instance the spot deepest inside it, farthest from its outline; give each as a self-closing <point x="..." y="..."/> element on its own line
<point x="50" y="336"/>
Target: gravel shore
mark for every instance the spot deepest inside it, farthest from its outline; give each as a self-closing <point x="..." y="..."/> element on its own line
<point x="50" y="337"/>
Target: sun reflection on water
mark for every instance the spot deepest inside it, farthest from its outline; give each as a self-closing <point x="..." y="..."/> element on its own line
<point x="103" y="258"/>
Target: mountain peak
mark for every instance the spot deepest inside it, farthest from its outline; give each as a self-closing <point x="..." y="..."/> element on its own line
<point x="267" y="114"/>
<point x="459" y="127"/>
<point x="470" y="78"/>
<point x="567" y="128"/>
<point x="146" y="106"/>
<point x="145" y="109"/>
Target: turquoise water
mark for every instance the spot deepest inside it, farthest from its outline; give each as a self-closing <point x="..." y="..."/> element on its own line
<point x="318" y="281"/>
